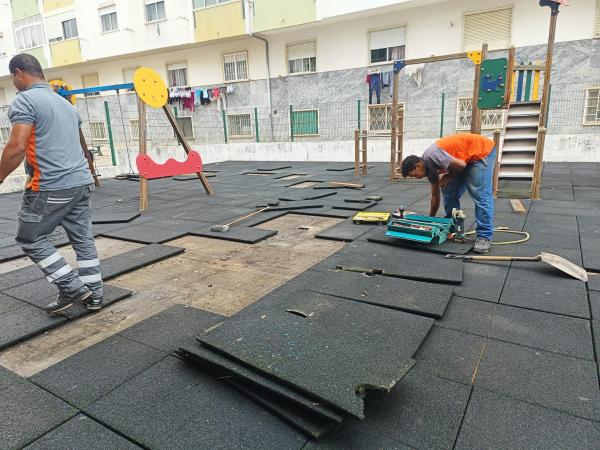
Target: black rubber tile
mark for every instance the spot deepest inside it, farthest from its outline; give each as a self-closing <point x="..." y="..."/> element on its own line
<point x="324" y="212"/>
<point x="545" y="331"/>
<point x="483" y="281"/>
<point x="136" y="259"/>
<point x="115" y="214"/>
<point x="546" y="379"/>
<point x="591" y="260"/>
<point x="8" y="303"/>
<point x="595" y="306"/>
<point x="236" y="233"/>
<point x="150" y="234"/>
<point x="496" y="421"/>
<point x="301" y="196"/>
<point x="291" y="206"/>
<point x="468" y="315"/>
<point x="593" y="281"/>
<point x="20" y="276"/>
<point x="343" y="168"/>
<point x="35" y="292"/>
<point x="10" y="253"/>
<point x="589" y="227"/>
<point x="294" y="340"/>
<point x="90" y="374"/>
<point x="172" y="328"/>
<point x="112" y="294"/>
<point x="81" y="432"/>
<point x="174" y="406"/>
<point x="28" y="412"/>
<point x="275" y="167"/>
<point x="213" y="214"/>
<point x="23" y="322"/>
<point x="355" y="434"/>
<point x="7" y="378"/>
<point x="450" y="354"/>
<point x="262" y="218"/>
<point x="192" y="177"/>
<point x="352" y="206"/>
<point x="378" y="235"/>
<point x="346" y="231"/>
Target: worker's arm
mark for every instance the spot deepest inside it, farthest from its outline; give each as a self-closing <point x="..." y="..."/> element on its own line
<point x="435" y="198"/>
<point x="14" y="150"/>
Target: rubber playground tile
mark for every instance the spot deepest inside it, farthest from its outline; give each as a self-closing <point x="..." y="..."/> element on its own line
<point x="10" y="253"/>
<point x="588" y="226"/>
<point x="115" y="214"/>
<point x="171" y="405"/>
<point x="275" y="167"/>
<point x="35" y="292"/>
<point x="469" y="316"/>
<point x="346" y="231"/>
<point x="291" y="206"/>
<point x="81" y="432"/>
<point x="378" y="235"/>
<point x="296" y="197"/>
<point x="324" y="212"/>
<point x="236" y="233"/>
<point x="28" y="412"/>
<point x="546" y="379"/>
<point x="7" y="378"/>
<point x="355" y="434"/>
<point x="595" y="305"/>
<point x="294" y="340"/>
<point x="545" y="331"/>
<point x="450" y="354"/>
<point x="491" y="421"/>
<point x="343" y="168"/>
<point x="172" y="328"/>
<point x="112" y="294"/>
<point x="570" y="301"/>
<point x="23" y="322"/>
<point x="136" y="259"/>
<point x="151" y="234"/>
<point x="8" y="303"/>
<point x="352" y="206"/>
<point x="213" y="214"/>
<point x="262" y="218"/>
<point x="591" y="260"/>
<point x="483" y="280"/>
<point x="90" y="374"/>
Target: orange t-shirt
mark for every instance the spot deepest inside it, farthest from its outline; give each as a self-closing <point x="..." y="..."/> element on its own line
<point x="467" y="147"/>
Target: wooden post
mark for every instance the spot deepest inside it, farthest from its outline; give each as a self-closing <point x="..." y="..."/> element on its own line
<point x="186" y="146"/>
<point x="509" y="76"/>
<point x="548" y="68"/>
<point x="536" y="181"/>
<point x="356" y="151"/>
<point x="142" y="146"/>
<point x="476" y="116"/>
<point x="400" y="144"/>
<point x="364" y="155"/>
<point x="497" y="163"/>
<point x="90" y="158"/>
<point x="394" y="125"/>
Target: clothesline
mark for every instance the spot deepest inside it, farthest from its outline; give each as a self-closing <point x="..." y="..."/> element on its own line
<point x="189" y="98"/>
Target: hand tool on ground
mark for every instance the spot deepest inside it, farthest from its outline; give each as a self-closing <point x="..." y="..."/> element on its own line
<point x="558" y="262"/>
<point x="370" y="217"/>
<point x="225" y="227"/>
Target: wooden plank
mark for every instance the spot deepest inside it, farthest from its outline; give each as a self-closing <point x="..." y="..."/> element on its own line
<point x="538" y="164"/>
<point x="142" y="149"/>
<point x="346" y="184"/>
<point x="394" y="130"/>
<point x="497" y="163"/>
<point x="528" y="86"/>
<point x="356" y="152"/>
<point x="364" y="155"/>
<point x="476" y="116"/>
<point x="536" y="85"/>
<point x="517" y="206"/>
<point x="520" y="86"/>
<point x="509" y="77"/>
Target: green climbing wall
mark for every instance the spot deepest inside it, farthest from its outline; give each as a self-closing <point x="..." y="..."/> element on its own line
<point x="493" y="83"/>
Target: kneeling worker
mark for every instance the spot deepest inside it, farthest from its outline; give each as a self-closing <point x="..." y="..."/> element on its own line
<point x="455" y="164"/>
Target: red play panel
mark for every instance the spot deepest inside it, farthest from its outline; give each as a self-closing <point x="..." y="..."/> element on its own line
<point x="150" y="169"/>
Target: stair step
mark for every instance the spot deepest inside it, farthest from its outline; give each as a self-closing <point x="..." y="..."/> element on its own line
<point x="514" y="136"/>
<point x="515" y="145"/>
<point x="517" y="161"/>
<point x="522" y="121"/>
<point x="521" y="130"/>
<point x="515" y="174"/>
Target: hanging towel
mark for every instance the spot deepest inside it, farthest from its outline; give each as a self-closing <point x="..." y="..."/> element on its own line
<point x="386" y="78"/>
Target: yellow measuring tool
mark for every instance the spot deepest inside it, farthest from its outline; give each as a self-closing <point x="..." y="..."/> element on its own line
<point x="380" y="218"/>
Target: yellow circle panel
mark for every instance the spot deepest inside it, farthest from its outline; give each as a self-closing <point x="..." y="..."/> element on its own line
<point x="150" y="87"/>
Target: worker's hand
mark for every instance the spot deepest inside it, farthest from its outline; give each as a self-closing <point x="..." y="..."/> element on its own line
<point x="444" y="180"/>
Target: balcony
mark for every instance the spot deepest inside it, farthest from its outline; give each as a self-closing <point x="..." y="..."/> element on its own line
<point x="273" y="14"/>
<point x="219" y="22"/>
<point x="51" y="5"/>
<point x="65" y="52"/>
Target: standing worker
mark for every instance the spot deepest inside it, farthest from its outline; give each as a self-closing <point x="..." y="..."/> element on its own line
<point x="45" y="132"/>
<point x="455" y="164"/>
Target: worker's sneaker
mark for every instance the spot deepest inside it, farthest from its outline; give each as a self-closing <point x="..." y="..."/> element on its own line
<point x="482" y="245"/>
<point x="94" y="302"/>
<point x="64" y="301"/>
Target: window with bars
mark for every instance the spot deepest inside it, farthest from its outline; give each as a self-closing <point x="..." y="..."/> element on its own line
<point x="491" y="119"/>
<point x="240" y="125"/>
<point x="29" y="33"/>
<point x="305" y="122"/>
<point x="302" y="57"/>
<point x="186" y="126"/>
<point x="491" y="27"/>
<point x="235" y="66"/>
<point x="387" y="45"/>
<point x="177" y="74"/>
<point x="108" y="19"/>
<point x="69" y="28"/>
<point x="155" y="11"/>
<point x="98" y="131"/>
<point x="380" y="117"/>
<point x="591" y="115"/>
<point x="198" y="4"/>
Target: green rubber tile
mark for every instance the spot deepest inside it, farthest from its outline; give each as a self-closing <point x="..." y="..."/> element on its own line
<point x="496" y="421"/>
<point x="90" y="374"/>
<point x="81" y="432"/>
<point x="549" y="380"/>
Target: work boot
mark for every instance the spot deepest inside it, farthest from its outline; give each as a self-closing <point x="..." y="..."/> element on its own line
<point x="94" y="302"/>
<point x="482" y="245"/>
<point x="64" y="301"/>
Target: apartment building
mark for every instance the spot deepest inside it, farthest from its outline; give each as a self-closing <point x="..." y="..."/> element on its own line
<point x="301" y="65"/>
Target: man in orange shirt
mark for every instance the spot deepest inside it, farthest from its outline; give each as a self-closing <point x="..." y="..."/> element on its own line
<point x="453" y="165"/>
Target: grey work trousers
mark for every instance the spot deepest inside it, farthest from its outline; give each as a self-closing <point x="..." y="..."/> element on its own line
<point x="40" y="214"/>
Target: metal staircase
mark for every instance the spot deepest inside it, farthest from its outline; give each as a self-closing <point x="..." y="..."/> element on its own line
<point x="517" y="158"/>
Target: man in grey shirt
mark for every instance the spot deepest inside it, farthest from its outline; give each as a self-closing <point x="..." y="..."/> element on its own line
<point x="45" y="133"/>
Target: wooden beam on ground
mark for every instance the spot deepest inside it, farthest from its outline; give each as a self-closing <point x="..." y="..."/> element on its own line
<point x="517" y="206"/>
<point x="348" y="185"/>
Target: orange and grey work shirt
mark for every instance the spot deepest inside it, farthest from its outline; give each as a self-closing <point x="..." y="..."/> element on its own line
<point x="54" y="158"/>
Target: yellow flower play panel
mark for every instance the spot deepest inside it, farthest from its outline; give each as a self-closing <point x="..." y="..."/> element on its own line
<point x="150" y="87"/>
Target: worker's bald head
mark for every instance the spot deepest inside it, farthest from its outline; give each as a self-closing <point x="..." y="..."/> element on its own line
<point x="24" y="70"/>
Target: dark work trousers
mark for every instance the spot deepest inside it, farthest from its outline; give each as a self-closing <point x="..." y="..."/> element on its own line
<point x="375" y="85"/>
<point x="40" y="214"/>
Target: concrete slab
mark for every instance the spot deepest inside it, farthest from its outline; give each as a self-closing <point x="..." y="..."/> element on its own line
<point x="236" y="233"/>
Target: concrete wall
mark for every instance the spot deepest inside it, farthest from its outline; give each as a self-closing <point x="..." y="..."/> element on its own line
<point x="22" y="9"/>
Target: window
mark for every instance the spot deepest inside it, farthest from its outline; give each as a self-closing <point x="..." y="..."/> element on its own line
<point x="177" y="74"/>
<point x="235" y="66"/>
<point x="2" y="97"/>
<point x="186" y="126"/>
<point x="108" y="19"/>
<point x="380" y="117"/>
<point x="29" y="33"/>
<point x="490" y="27"/>
<point x="98" y="131"/>
<point x="305" y="122"/>
<point x="90" y="80"/>
<point x="387" y="45"/>
<point x="491" y="119"/>
<point x="2" y="45"/>
<point x="134" y="129"/>
<point x="155" y="11"/>
<point x="197" y="4"/>
<point x="592" y="107"/>
<point x="240" y="125"/>
<point x="302" y="57"/>
<point x="69" y="29"/>
<point x="4" y="134"/>
<point x="128" y="76"/>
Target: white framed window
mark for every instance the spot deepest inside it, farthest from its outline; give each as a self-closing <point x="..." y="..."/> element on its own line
<point x="387" y="45"/>
<point x="186" y="125"/>
<point x="90" y="80"/>
<point x="177" y="74"/>
<point x="108" y="19"/>
<point x="29" y="33"/>
<point x="2" y="45"/>
<point x="155" y="10"/>
<point x="2" y="97"/>
<point x="240" y="125"/>
<point x="128" y="75"/>
<point x="235" y="66"/>
<point x="305" y="122"/>
<point x="491" y="119"/>
<point x="199" y="4"/>
<point x="69" y="28"/>
<point x="490" y="27"/>
<point x="98" y="131"/>
<point x="591" y="114"/>
<point x="4" y="134"/>
<point x="302" y="57"/>
<point x="380" y="117"/>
